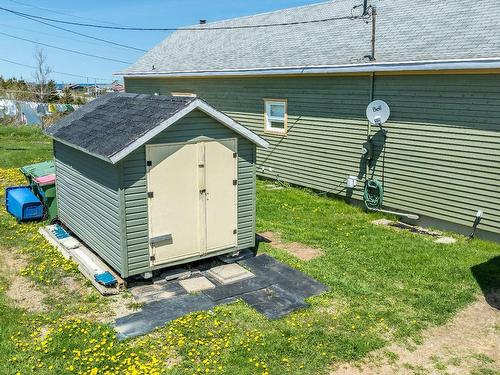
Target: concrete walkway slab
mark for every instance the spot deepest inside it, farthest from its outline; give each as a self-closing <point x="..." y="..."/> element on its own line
<point x="229" y="273"/>
<point x="196" y="284"/>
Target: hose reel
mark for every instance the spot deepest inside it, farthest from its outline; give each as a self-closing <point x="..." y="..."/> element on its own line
<point x="378" y="113"/>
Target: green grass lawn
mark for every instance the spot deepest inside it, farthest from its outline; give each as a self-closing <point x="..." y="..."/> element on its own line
<point x="22" y="145"/>
<point x="385" y="285"/>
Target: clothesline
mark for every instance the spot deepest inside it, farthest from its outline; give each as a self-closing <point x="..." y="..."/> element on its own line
<point x="31" y="113"/>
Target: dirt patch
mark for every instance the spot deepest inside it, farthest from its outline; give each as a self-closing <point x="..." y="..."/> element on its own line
<point x="25" y="295"/>
<point x="120" y="305"/>
<point x="298" y="250"/>
<point x="469" y="342"/>
<point x="73" y="285"/>
<point x="22" y="292"/>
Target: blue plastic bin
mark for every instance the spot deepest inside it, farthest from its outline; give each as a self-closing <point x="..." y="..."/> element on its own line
<point x="23" y="204"/>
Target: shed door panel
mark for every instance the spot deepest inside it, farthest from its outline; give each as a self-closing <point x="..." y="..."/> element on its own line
<point x="221" y="193"/>
<point x="174" y="209"/>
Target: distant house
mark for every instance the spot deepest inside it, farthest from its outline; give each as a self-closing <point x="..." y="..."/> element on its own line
<point x="117" y="87"/>
<point x="78" y="87"/>
<point x="302" y="80"/>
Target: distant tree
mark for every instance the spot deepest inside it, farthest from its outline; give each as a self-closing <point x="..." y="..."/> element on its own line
<point x="79" y="100"/>
<point x="67" y="97"/>
<point x="42" y="72"/>
<point x="51" y="96"/>
<point x="14" y="88"/>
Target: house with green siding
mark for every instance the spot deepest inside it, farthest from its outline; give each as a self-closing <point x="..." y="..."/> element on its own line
<point x="302" y="78"/>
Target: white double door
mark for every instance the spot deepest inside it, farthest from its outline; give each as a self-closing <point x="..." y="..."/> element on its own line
<point x="192" y="199"/>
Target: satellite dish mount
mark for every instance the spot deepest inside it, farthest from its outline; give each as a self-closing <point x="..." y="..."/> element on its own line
<point x="378" y="113"/>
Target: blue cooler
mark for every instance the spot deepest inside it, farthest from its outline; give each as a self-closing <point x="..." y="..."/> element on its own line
<point x="23" y="204"/>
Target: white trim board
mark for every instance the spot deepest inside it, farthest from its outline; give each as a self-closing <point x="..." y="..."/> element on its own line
<point x="195" y="104"/>
<point x="431" y="65"/>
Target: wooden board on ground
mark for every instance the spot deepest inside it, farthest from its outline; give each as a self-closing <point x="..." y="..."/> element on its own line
<point x="84" y="257"/>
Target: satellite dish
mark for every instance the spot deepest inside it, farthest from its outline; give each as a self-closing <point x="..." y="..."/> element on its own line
<point x="378" y="112"/>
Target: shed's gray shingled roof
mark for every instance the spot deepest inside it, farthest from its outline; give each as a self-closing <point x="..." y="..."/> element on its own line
<point x="407" y="30"/>
<point x="113" y="125"/>
<point x="111" y="122"/>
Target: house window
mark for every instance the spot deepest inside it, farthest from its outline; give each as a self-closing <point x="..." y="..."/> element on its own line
<point x="188" y="94"/>
<point x="275" y="115"/>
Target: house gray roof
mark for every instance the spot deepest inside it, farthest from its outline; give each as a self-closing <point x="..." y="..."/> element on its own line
<point x="407" y="32"/>
<point x="113" y="125"/>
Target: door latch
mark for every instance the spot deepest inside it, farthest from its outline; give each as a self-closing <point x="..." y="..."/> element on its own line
<point x="203" y="191"/>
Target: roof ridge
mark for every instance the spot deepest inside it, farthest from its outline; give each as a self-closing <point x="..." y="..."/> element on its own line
<point x="259" y="14"/>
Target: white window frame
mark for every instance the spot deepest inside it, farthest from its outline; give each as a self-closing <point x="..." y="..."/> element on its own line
<point x="268" y="128"/>
<point x="186" y="94"/>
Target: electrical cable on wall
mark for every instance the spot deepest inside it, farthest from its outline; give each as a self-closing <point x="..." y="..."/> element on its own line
<point x="378" y="113"/>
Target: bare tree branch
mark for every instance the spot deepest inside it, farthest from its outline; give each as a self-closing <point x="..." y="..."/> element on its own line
<point x="42" y="72"/>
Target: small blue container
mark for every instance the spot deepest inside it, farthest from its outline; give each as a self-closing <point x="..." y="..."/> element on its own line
<point x="23" y="204"/>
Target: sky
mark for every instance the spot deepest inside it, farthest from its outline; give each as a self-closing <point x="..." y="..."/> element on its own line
<point x="147" y="13"/>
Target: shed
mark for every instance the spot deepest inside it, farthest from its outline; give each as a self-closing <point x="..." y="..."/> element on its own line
<point x="152" y="181"/>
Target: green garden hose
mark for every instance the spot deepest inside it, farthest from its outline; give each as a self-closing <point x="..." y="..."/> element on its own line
<point x="373" y="195"/>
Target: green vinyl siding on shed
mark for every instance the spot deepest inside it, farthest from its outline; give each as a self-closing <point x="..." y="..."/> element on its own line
<point x="194" y="126"/>
<point x="88" y="201"/>
<point x="442" y="154"/>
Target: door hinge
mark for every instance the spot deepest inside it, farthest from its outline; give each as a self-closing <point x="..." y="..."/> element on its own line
<point x="149" y="163"/>
<point x="150" y="194"/>
<point x="235" y="155"/>
<point x="152" y="258"/>
<point x="235" y="182"/>
<point x="235" y="231"/>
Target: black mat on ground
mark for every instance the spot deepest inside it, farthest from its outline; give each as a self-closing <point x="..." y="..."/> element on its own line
<point x="275" y="291"/>
<point x="291" y="280"/>
<point x="273" y="302"/>
<point x="158" y="313"/>
<point x="237" y="288"/>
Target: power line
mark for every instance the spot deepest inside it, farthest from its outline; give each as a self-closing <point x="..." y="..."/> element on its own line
<point x="183" y="28"/>
<point x="52" y="35"/>
<point x="55" y="71"/>
<point x="62" y="13"/>
<point x="66" y="49"/>
<point x="81" y="34"/>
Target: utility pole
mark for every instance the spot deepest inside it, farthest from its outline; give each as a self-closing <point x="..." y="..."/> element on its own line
<point x="374" y="20"/>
